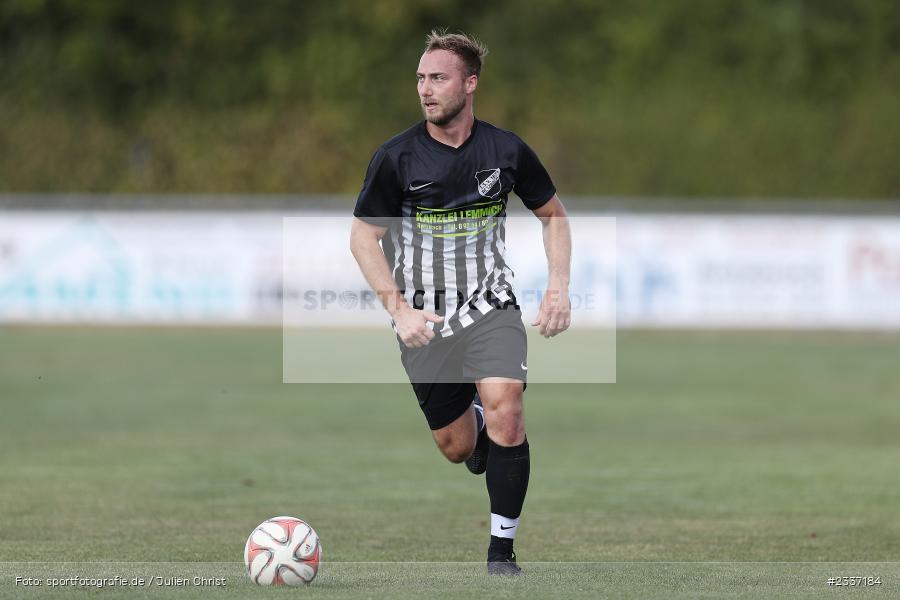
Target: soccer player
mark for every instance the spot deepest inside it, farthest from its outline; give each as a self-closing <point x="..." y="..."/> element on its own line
<point x="429" y="238"/>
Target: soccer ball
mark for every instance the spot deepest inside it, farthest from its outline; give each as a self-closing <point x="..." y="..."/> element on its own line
<point x="282" y="551"/>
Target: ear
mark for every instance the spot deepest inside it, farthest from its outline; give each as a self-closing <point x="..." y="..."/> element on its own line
<point x="471" y="83"/>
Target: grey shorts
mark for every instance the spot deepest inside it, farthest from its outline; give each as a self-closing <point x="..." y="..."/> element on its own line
<point x="444" y="372"/>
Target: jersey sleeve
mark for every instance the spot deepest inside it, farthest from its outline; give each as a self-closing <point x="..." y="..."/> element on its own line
<point x="533" y="184"/>
<point x="381" y="194"/>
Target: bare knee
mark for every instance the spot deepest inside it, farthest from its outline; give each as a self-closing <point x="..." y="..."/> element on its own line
<point x="457" y="456"/>
<point x="455" y="443"/>
<point x="456" y="451"/>
<point x="506" y="423"/>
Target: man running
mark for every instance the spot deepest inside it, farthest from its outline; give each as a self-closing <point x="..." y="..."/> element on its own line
<point x="429" y="236"/>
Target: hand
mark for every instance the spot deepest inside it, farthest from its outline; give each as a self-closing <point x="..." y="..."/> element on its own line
<point x="414" y="326"/>
<point x="555" y="314"/>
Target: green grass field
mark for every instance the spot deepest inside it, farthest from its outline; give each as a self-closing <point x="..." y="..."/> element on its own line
<point x="720" y="465"/>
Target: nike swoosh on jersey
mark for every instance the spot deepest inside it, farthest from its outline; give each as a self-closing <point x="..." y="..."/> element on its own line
<point x="413" y="188"/>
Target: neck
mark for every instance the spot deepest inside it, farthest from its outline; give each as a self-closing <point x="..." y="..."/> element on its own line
<point x="456" y="132"/>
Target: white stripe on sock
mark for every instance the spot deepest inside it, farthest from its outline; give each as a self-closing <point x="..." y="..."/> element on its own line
<point x="503" y="527"/>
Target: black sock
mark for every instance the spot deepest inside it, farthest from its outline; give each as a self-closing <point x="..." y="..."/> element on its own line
<point x="507" y="481"/>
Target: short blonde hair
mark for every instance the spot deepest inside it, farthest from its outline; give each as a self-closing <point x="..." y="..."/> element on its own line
<point x="469" y="50"/>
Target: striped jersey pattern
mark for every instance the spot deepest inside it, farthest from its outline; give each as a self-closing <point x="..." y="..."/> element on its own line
<point x="444" y="212"/>
<point x="460" y="278"/>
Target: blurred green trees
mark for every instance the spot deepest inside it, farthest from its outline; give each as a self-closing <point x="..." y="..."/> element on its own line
<point x="689" y="97"/>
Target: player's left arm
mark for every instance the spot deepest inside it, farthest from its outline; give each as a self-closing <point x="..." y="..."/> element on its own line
<point x="555" y="314"/>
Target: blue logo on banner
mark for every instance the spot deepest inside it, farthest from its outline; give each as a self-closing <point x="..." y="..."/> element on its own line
<point x="656" y="284"/>
<point x="82" y="269"/>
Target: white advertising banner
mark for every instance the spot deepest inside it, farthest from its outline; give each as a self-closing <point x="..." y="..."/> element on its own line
<point x="759" y="271"/>
<point x="661" y="271"/>
<point x="140" y="267"/>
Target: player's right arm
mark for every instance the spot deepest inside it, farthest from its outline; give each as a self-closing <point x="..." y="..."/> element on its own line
<point x="412" y="325"/>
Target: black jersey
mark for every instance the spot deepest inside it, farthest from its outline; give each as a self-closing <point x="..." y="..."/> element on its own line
<point x="445" y="209"/>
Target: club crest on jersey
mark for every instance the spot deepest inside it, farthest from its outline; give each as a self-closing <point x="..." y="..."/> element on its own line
<point x="488" y="182"/>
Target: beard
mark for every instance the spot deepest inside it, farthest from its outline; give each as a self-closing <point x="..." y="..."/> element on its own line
<point x="453" y="108"/>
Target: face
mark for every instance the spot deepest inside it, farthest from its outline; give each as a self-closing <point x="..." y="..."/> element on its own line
<point x="443" y="87"/>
